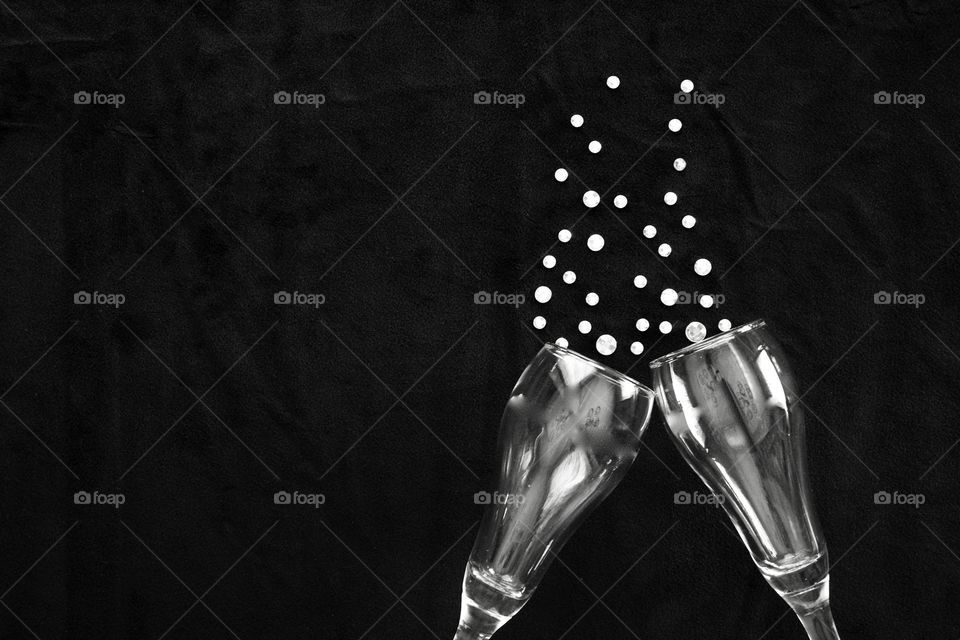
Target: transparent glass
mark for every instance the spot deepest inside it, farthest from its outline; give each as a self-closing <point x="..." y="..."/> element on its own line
<point x="732" y="408"/>
<point x="569" y="433"/>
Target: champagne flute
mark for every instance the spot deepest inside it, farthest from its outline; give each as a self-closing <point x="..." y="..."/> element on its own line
<point x="569" y="433"/>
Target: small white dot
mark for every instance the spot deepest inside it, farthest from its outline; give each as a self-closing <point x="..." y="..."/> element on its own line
<point x="606" y="344"/>
<point x="696" y="332"/>
<point x="564" y="235"/>
<point x="688" y="222"/>
<point x="724" y="325"/>
<point x="549" y="262"/>
<point x="620" y="202"/>
<point x="560" y="175"/>
<point x="643" y="324"/>
<point x="640" y="282"/>
<point x="649" y="231"/>
<point x="591" y="199"/>
<point x="539" y="322"/>
<point x="664" y="250"/>
<point x="686" y="86"/>
<point x="670" y="198"/>
<point x="702" y="266"/>
<point x="636" y="348"/>
<point x="669" y="297"/>
<point x="613" y="82"/>
<point x="592" y="299"/>
<point x="562" y="342"/>
<point x="595" y="242"/>
<point x="706" y="301"/>
<point x="679" y="164"/>
<point x="584" y="327"/>
<point x="543" y="294"/>
<point x="569" y="277"/>
<point x="576" y="120"/>
<point x="665" y="327"/>
<point x="675" y="125"/>
<point x="595" y="146"/>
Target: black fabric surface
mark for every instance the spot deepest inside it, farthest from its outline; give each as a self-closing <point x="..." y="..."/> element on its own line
<point x="398" y="199"/>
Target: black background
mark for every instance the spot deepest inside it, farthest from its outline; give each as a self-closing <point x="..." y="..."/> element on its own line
<point x="399" y="199"/>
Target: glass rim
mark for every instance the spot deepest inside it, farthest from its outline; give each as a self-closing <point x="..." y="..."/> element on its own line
<point x="709" y="343"/>
<point x="607" y="372"/>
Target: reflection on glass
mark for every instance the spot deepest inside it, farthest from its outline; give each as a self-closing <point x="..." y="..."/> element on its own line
<point x="569" y="433"/>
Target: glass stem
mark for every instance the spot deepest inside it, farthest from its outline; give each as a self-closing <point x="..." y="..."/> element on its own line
<point x="819" y="624"/>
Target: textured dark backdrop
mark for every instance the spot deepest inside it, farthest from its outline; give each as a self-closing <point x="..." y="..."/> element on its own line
<point x="398" y="199"/>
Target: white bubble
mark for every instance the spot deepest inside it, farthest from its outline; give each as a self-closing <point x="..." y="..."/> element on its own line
<point x="592" y="299"/>
<point x="696" y="332"/>
<point x="561" y="342"/>
<point x="549" y="262"/>
<point x="688" y="222"/>
<point x="706" y="301"/>
<point x="643" y="324"/>
<point x="591" y="199"/>
<point x="564" y="235"/>
<point x="595" y="242"/>
<point x="702" y="266"/>
<point x="675" y="125"/>
<point x="539" y="322"/>
<point x="679" y="164"/>
<point x="686" y="86"/>
<point x="606" y="344"/>
<point x="543" y="294"/>
<point x="640" y="282"/>
<point x="569" y="277"/>
<point x="560" y="175"/>
<point x="670" y="198"/>
<point x="584" y="327"/>
<point x="724" y="325"/>
<point x="636" y="348"/>
<point x="649" y="231"/>
<point x="664" y="250"/>
<point x="665" y="327"/>
<point x="620" y="201"/>
<point x="595" y="146"/>
<point x="669" y="297"/>
<point x="576" y="120"/>
<point x="613" y="82"/>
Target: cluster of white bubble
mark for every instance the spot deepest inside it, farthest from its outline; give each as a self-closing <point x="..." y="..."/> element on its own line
<point x="607" y="344"/>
